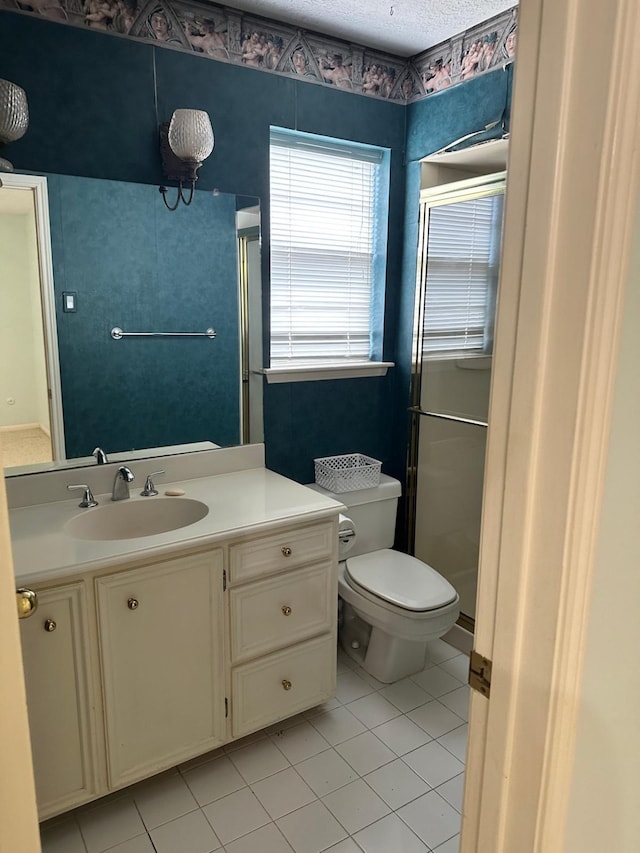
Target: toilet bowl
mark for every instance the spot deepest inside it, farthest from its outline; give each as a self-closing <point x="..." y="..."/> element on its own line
<point x="391" y="604"/>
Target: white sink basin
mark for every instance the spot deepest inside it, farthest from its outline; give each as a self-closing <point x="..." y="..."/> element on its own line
<point x="131" y="519"/>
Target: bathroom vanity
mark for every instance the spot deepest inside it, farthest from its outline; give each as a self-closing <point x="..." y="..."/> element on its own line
<point x="149" y="650"/>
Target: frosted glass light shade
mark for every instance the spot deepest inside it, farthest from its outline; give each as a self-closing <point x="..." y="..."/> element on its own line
<point x="190" y="135"/>
<point x="14" y="112"/>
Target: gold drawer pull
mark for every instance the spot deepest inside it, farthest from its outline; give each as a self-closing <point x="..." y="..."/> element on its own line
<point x="133" y="604"/>
<point x="286" y="551"/>
<point x="286" y="684"/>
<point x="50" y="626"/>
<point x="286" y="610"/>
<point x="27" y="602"/>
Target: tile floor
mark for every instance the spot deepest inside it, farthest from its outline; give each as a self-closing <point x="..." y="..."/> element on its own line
<point x="378" y="769"/>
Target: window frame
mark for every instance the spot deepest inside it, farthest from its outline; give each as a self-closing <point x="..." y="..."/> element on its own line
<point x="299" y="369"/>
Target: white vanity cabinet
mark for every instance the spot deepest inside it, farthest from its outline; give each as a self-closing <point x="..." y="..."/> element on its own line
<point x="138" y="660"/>
<point x="55" y="650"/>
<point x="161" y="630"/>
<point x="282" y="603"/>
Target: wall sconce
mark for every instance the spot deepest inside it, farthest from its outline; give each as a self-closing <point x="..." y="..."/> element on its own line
<point x="185" y="142"/>
<point x="14" y="117"/>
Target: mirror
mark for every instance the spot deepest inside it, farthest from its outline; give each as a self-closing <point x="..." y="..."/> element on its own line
<point x="120" y="259"/>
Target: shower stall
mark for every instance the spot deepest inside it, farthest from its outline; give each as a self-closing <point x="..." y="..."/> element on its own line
<point x="456" y="294"/>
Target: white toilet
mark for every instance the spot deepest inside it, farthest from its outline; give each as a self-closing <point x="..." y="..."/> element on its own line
<point x="392" y="604"/>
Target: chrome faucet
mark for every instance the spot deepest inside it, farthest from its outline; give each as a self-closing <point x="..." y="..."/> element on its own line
<point x="123" y="477"/>
<point x="101" y="456"/>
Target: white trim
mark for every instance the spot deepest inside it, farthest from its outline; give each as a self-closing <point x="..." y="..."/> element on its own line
<point x="305" y="373"/>
<point x="566" y="247"/>
<point x="38" y="185"/>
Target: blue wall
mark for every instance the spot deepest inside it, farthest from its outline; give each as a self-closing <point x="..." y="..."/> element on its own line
<point x="137" y="265"/>
<point x="92" y="109"/>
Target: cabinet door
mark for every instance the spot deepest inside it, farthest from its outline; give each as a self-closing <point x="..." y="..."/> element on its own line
<point x="54" y="651"/>
<point x="161" y="635"/>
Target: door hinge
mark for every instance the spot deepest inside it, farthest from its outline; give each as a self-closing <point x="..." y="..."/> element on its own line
<point x="224" y="580"/>
<point x="480" y="673"/>
<point x="226" y="707"/>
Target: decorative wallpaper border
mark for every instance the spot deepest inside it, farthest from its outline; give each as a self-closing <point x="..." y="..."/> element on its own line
<point x="228" y="35"/>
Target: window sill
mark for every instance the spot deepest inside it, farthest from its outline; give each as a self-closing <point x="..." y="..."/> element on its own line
<point x="328" y="371"/>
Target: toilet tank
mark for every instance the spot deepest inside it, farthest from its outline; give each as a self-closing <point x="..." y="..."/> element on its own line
<point x="373" y="512"/>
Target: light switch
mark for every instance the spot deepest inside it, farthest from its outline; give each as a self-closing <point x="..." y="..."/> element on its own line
<point x="69" y="301"/>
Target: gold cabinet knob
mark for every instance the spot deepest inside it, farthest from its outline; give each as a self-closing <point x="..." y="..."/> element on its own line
<point x="133" y="604"/>
<point x="27" y="602"/>
<point x="286" y="684"/>
<point x="286" y="551"/>
<point x="50" y="625"/>
<point x="286" y="610"/>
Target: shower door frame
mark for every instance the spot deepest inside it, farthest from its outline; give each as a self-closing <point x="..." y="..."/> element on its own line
<point x="482" y="186"/>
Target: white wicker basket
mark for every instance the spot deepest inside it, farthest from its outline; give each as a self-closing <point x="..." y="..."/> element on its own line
<point x="347" y="473"/>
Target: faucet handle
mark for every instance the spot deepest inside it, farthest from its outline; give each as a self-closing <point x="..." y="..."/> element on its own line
<point x="149" y="487"/>
<point x="88" y="499"/>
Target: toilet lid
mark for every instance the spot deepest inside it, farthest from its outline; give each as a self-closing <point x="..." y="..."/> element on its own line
<point x="401" y="580"/>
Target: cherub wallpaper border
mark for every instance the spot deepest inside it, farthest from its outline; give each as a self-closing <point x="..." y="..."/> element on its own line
<point x="228" y="35"/>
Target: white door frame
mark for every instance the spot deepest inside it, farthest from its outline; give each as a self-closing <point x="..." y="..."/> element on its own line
<point x="572" y="189"/>
<point x="37" y="184"/>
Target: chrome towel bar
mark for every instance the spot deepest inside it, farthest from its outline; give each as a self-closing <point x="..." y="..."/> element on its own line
<point x="117" y="334"/>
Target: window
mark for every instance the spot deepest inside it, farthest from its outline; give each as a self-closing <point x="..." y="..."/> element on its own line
<point x="329" y="201"/>
<point x="460" y="249"/>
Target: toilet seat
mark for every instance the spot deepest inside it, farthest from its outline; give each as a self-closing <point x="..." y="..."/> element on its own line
<point x="400" y="580"/>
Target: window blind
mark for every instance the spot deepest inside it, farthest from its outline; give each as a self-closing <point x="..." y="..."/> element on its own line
<point x="323" y="207"/>
<point x="461" y="275"/>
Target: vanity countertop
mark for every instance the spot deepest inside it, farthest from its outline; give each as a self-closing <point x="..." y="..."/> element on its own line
<point x="246" y="502"/>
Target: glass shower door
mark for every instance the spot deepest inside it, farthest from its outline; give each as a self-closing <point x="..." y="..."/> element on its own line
<point x="460" y="228"/>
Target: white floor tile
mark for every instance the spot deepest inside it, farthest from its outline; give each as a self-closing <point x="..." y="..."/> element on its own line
<point x="326" y="772"/>
<point x="397" y="784"/>
<point x="350" y="687"/>
<point x="300" y="742"/>
<point x="373" y="710"/>
<point x="356" y="806"/>
<point x="311" y="829"/>
<point x="458" y="701"/>
<point x="162" y="799"/>
<point x="282" y="793"/>
<point x="329" y="705"/>
<point x="337" y="725"/>
<point x="287" y="723"/>
<point x="401" y="735"/>
<point x="346" y="846"/>
<point x="371" y="681"/>
<point x="235" y="815"/>
<point x="453" y="791"/>
<point x="432" y="818"/>
<point x="213" y="780"/>
<point x="62" y="837"/>
<point x="438" y="651"/>
<point x="245" y="741"/>
<point x="434" y="764"/>
<point x="258" y="760"/>
<point x="456" y="741"/>
<point x="458" y="667"/>
<point x="405" y="695"/>
<point x="435" y="718"/>
<point x="436" y="681"/>
<point x="190" y="833"/>
<point x="105" y="826"/>
<point x="268" y="839"/>
<point x="450" y="846"/>
<point x="139" y="844"/>
<point x="365" y="753"/>
<point x="389" y="834"/>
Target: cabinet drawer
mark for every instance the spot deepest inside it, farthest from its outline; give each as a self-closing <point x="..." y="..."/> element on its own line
<point x="290" y="607"/>
<point x="283" y="683"/>
<point x="279" y="551"/>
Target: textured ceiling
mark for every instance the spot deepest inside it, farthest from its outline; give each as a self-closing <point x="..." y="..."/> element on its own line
<point x="402" y="27"/>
